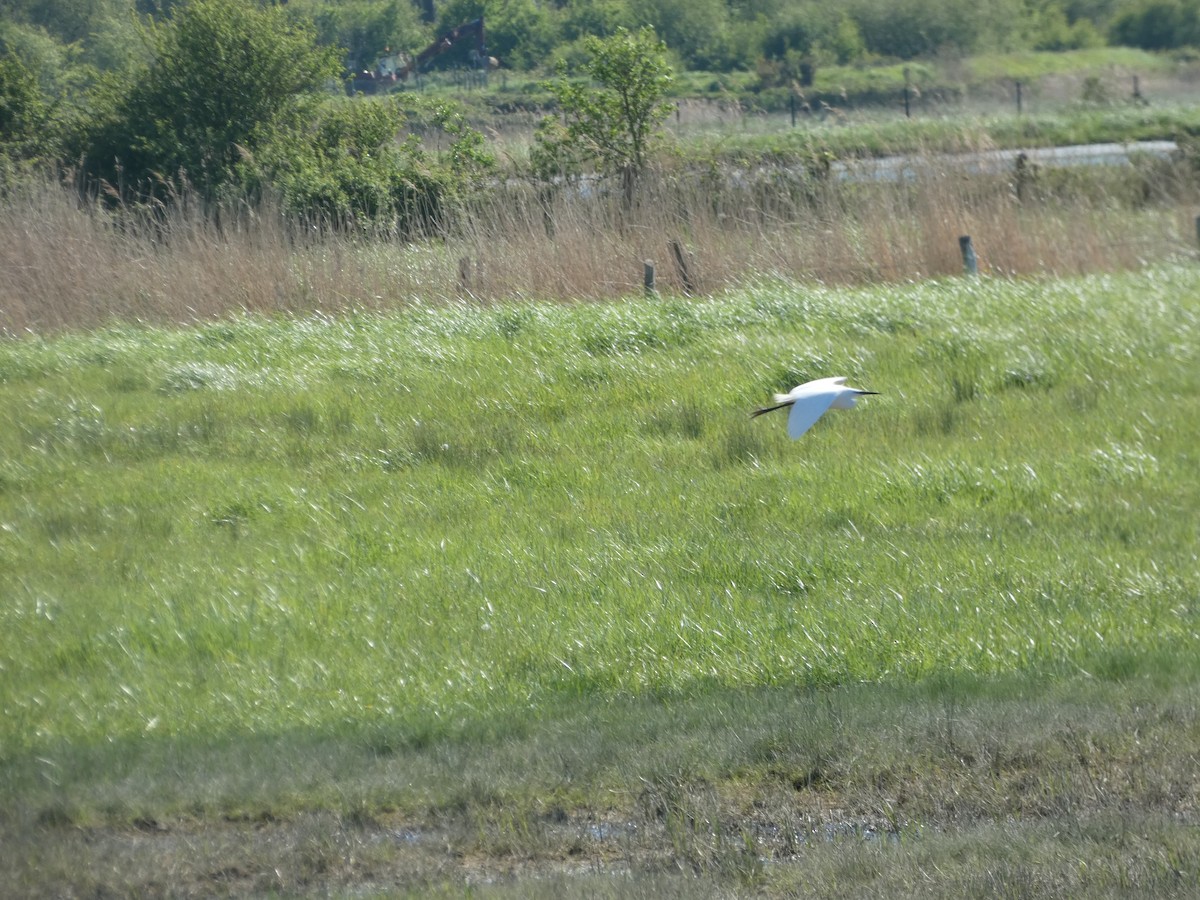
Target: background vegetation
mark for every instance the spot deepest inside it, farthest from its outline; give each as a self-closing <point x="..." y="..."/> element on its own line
<point x="236" y="105"/>
<point x="302" y="199"/>
<point x="712" y="35"/>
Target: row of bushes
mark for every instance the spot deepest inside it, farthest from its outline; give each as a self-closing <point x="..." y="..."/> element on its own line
<point x="233" y="101"/>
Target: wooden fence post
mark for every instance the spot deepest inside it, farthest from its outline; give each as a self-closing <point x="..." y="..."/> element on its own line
<point x="1022" y="175"/>
<point x="648" y="278"/>
<point x="681" y="264"/>
<point x="970" y="260"/>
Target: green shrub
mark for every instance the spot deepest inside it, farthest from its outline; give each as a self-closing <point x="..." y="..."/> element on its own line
<point x="24" y="115"/>
<point x="222" y="80"/>
<point x="348" y="171"/>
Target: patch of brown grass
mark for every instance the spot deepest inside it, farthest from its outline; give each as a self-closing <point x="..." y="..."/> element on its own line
<point x="71" y="264"/>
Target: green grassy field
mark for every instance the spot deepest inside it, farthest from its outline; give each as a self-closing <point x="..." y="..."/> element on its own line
<point x="264" y="568"/>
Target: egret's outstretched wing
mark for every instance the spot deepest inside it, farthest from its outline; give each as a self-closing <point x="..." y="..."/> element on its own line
<point x="809" y="401"/>
<point x="806" y="410"/>
<point x="832" y="383"/>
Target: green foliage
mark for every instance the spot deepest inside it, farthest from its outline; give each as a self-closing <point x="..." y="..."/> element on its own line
<point x="613" y="123"/>
<point x="41" y="90"/>
<point x="696" y="30"/>
<point x="598" y="18"/>
<point x="365" y="29"/>
<point x="224" y="77"/>
<point x="820" y="35"/>
<point x="60" y="70"/>
<point x="1158" y="24"/>
<point x="349" y="171"/>
<point x="69" y="21"/>
<point x="522" y="33"/>
<point x="23" y="113"/>
<point x="456" y="12"/>
<point x="66" y="45"/>
<point x="920" y="28"/>
<point x="233" y="101"/>
<point x="709" y="35"/>
<point x="1052" y="31"/>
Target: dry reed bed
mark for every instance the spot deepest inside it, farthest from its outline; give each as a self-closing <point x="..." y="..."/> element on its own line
<point x="69" y="264"/>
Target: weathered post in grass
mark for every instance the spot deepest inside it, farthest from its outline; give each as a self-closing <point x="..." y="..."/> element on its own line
<point x="1198" y="229"/>
<point x="648" y="278"/>
<point x="681" y="263"/>
<point x="907" y="109"/>
<point x="1018" y="98"/>
<point x="970" y="260"/>
<point x="1021" y="175"/>
<point x="792" y="103"/>
<point x="545" y="195"/>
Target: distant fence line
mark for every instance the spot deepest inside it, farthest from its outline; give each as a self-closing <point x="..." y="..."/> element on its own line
<point x="831" y="105"/>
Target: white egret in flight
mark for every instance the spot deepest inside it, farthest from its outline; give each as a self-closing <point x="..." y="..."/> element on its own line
<point x="810" y="400"/>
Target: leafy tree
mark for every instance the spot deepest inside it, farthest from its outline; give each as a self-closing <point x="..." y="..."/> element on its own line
<point x="599" y="18"/>
<point x="520" y="33"/>
<point x="1098" y="12"/>
<point x="23" y="113"/>
<point x="346" y="170"/>
<point x="53" y="64"/>
<point x="366" y="29"/>
<point x="615" y="124"/>
<point x="821" y="34"/>
<point x="1050" y="29"/>
<point x="845" y="42"/>
<point x="1158" y="25"/>
<point x="697" y="30"/>
<point x="456" y="12"/>
<point x="68" y="20"/>
<point x="225" y="77"/>
<point x="40" y="79"/>
<point x="911" y="28"/>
